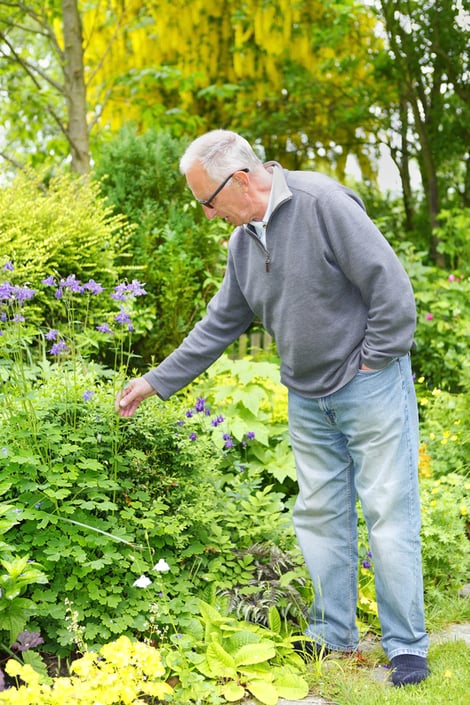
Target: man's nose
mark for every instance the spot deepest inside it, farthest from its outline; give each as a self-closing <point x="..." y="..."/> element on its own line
<point x="209" y="212"/>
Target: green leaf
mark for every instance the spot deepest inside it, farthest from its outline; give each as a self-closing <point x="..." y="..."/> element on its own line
<point x="220" y="662"/>
<point x="255" y="653"/>
<point x="291" y="686"/>
<point x="233" y="692"/>
<point x="265" y="692"/>
<point x="274" y="619"/>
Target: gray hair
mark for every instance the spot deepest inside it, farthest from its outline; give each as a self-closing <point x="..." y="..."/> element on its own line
<point x="220" y="152"/>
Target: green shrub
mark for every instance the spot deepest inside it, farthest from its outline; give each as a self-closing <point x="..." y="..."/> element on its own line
<point x="181" y="253"/>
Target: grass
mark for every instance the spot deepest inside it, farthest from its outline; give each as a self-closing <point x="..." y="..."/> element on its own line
<point x="364" y="680"/>
<point x="344" y="682"/>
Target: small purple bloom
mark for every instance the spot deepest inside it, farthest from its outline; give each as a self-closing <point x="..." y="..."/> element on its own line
<point x="3" y="316"/>
<point x="93" y="287"/>
<point x="8" y="266"/>
<point x="73" y="284"/>
<point x="192" y="436"/>
<point x="189" y="414"/>
<point x="200" y="403"/>
<point x="180" y="423"/>
<point x="130" y="328"/>
<point x="87" y="395"/>
<point x="104" y="328"/>
<point x="59" y="348"/>
<point x="124" y="291"/>
<point x="122" y="317"/>
<point x="18" y="318"/>
<point x="228" y="440"/>
<point x="59" y="293"/>
<point x="366" y="565"/>
<point x="250" y="435"/>
<point x="51" y="334"/>
<point x="20" y="293"/>
<point x="48" y="281"/>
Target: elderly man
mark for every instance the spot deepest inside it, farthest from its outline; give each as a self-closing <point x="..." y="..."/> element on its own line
<point x="305" y="259"/>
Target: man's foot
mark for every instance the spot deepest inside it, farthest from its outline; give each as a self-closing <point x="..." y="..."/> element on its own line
<point x="309" y="649"/>
<point x="409" y="669"/>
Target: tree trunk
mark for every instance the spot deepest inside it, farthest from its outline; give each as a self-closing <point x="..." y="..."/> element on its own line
<point x="75" y="89"/>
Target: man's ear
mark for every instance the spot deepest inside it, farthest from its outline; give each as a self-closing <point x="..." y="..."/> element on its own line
<point x="241" y="179"/>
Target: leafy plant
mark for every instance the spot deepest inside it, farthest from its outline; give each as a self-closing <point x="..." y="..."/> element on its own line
<point x="120" y="672"/>
<point x="240" y="657"/>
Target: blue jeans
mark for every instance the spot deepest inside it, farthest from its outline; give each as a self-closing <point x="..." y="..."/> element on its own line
<point x="361" y="441"/>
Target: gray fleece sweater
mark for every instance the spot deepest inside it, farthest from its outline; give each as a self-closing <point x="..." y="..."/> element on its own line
<point x="328" y="287"/>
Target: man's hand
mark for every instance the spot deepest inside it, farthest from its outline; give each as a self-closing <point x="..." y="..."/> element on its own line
<point x="129" y="399"/>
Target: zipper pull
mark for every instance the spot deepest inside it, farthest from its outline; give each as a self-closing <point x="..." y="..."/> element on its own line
<point x="267" y="261"/>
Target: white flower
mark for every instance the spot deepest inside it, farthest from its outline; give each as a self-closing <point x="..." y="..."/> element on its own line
<point x="142" y="582"/>
<point x="162" y="566"/>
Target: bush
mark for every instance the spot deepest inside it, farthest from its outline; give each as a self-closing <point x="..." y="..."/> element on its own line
<point x="181" y="253"/>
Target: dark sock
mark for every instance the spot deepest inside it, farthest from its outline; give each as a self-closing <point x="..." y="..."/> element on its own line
<point x="409" y="669"/>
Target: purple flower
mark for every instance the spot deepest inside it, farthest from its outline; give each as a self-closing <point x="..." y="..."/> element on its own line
<point x="192" y="436"/>
<point x="228" y="440"/>
<point x="189" y="414"/>
<point x="200" y="403"/>
<point x="6" y="291"/>
<point x="18" y="318"/>
<point x="8" y="266"/>
<point x="93" y="287"/>
<point x="180" y="423"/>
<point x="122" y="317"/>
<point x="217" y="421"/>
<point x="48" y="281"/>
<point x="59" y="348"/>
<point x="59" y="293"/>
<point x="104" y="328"/>
<point x="3" y="316"/>
<point x="51" y="334"/>
<point x="87" y="395"/>
<point x="124" y="291"/>
<point x="72" y="283"/>
<point x="366" y="565"/>
<point x="250" y="435"/>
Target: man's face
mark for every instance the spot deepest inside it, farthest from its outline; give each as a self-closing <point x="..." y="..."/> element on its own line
<point x="231" y="203"/>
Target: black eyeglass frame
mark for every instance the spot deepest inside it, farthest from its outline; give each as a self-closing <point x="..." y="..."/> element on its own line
<point x="207" y="202"/>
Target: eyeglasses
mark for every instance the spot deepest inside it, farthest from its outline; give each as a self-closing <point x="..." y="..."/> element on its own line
<point x="207" y="202"/>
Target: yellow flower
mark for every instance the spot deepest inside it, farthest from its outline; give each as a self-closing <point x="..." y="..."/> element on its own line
<point x="421" y="380"/>
<point x="463" y="510"/>
<point x="447" y="674"/>
<point x="432" y="436"/>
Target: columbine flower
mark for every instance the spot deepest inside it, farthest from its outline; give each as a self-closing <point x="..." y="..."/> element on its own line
<point x="217" y="421"/>
<point x="366" y="564"/>
<point x="48" y="281"/>
<point x="192" y="436"/>
<point x="228" y="440"/>
<point x="142" y="582"/>
<point x="59" y="348"/>
<point x="72" y="283"/>
<point x="22" y="293"/>
<point x="162" y="566"/>
<point x="93" y="287"/>
<point x="200" y="404"/>
<point x="51" y="334"/>
<point x="87" y="395"/>
<point x="104" y="328"/>
<point x="122" y="317"/>
<point x="250" y="435"/>
<point x="124" y="291"/>
<point x="18" y="318"/>
<point x="8" y="266"/>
